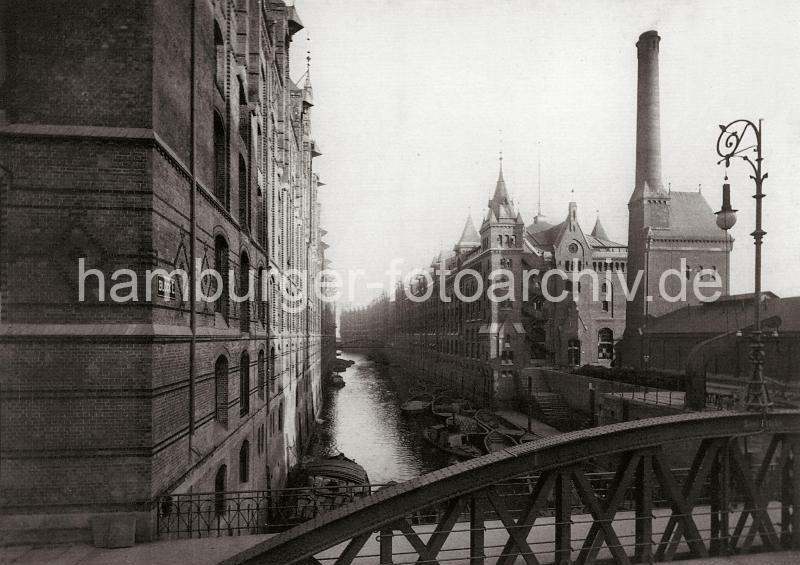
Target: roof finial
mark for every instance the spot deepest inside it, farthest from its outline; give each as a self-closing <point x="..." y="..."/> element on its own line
<point x="500" y="133"/>
<point x="308" y="57"/>
<point x="669" y="187"/>
<point x="539" y="180"/>
<point x="700" y="187"/>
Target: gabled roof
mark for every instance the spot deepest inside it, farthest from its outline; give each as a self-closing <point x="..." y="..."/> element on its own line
<point x="545" y="236"/>
<point x="690" y="217"/>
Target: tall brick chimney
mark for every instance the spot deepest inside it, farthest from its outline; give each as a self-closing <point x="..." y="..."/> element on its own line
<point x="648" y="117"/>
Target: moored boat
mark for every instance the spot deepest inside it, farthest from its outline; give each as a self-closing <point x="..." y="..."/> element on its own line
<point x="418" y="403"/>
<point x="445" y="406"/>
<point x="321" y="485"/>
<point x="491" y="421"/>
<point x="451" y="440"/>
<point x="497" y="441"/>
<point x="466" y="424"/>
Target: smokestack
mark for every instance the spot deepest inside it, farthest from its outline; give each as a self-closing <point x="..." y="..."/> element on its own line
<point x="648" y="116"/>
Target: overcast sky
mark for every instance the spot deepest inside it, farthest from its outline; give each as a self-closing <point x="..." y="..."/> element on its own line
<point x="410" y="97"/>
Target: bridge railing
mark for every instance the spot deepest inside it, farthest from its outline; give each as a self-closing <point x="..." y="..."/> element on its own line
<point x="739" y="493"/>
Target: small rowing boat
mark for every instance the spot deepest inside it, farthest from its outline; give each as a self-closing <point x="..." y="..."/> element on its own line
<point x="451" y="440"/>
<point x="497" y="441"/>
<point x="418" y="403"/>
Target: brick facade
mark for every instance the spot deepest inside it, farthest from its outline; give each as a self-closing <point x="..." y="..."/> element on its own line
<point x="141" y="135"/>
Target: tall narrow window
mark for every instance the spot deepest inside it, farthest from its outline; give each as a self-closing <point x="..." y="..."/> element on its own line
<point x="262" y="296"/>
<point x="574" y="352"/>
<point x="220" y="184"/>
<point x="244" y="384"/>
<point x="244" y="462"/>
<point x="261" y="374"/>
<point x="221" y="390"/>
<point x="244" y="195"/>
<point x="219" y="58"/>
<point x="244" y="290"/>
<point x="221" y="266"/>
<point x="220" y="504"/>
<point x="272" y="374"/>
<point x="538" y="339"/>
<point x="605" y="344"/>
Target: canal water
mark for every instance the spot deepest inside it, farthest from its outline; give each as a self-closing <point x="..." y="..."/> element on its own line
<point x="363" y="420"/>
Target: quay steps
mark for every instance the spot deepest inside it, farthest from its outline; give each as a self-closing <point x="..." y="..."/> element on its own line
<point x="552" y="409"/>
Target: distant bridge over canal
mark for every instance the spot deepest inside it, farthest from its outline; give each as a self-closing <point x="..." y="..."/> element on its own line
<point x="361" y="343"/>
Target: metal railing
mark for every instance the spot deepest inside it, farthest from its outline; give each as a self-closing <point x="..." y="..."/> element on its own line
<point x="545" y="501"/>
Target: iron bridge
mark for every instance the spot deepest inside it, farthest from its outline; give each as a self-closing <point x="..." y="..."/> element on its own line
<point x="739" y="494"/>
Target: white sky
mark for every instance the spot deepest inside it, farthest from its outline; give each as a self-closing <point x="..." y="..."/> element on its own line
<point x="410" y="96"/>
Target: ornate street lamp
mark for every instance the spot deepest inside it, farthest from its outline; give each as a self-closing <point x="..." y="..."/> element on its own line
<point x="732" y="144"/>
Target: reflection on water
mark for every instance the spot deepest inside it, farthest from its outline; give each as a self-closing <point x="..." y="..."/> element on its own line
<point x="363" y="420"/>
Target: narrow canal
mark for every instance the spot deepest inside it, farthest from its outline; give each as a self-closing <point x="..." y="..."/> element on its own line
<point x="363" y="420"/>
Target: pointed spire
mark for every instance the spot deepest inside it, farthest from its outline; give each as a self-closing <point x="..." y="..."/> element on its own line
<point x="500" y="191"/>
<point x="308" y="92"/>
<point x="598" y="231"/>
<point x="469" y="236"/>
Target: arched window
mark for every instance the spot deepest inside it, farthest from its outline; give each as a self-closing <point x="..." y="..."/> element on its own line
<point x="244" y="462"/>
<point x="244" y="195"/>
<point x="221" y="266"/>
<point x="273" y="302"/>
<point x="244" y="384"/>
<point x="244" y="290"/>
<point x="605" y="344"/>
<point x="261" y="374"/>
<point x="220" y="167"/>
<point x="220" y="504"/>
<point x="538" y="343"/>
<point x="221" y="390"/>
<point x="500" y="240"/>
<point x="262" y="296"/>
<point x="272" y="374"/>
<point x="219" y="57"/>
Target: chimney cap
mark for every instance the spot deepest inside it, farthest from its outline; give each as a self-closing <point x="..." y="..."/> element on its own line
<point x="651" y="35"/>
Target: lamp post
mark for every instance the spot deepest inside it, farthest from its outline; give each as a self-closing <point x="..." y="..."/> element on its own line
<point x="733" y="143"/>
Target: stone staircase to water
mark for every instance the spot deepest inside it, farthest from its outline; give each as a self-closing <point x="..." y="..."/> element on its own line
<point x="552" y="409"/>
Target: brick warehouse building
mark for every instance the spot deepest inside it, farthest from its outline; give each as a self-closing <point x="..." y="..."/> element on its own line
<point x="146" y="135"/>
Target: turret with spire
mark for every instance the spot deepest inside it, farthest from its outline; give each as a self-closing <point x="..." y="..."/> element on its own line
<point x="501" y="206"/>
<point x="469" y="237"/>
<point x="598" y="232"/>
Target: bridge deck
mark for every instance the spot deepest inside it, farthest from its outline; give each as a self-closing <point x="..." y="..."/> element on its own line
<point x="210" y="551"/>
